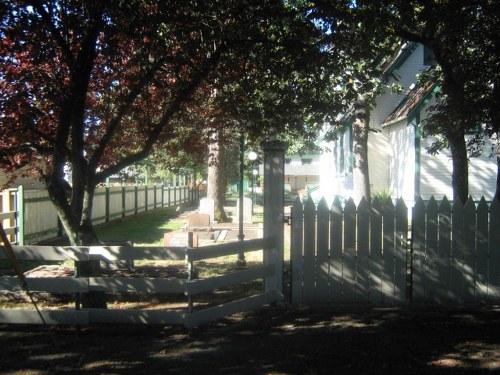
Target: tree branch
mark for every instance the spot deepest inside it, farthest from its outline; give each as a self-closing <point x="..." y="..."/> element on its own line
<point x="183" y="95"/>
<point x="55" y="33"/>
<point x="122" y="110"/>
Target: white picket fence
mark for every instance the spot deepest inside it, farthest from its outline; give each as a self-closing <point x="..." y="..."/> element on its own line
<point x="29" y="215"/>
<point x="191" y="315"/>
<point x="380" y="255"/>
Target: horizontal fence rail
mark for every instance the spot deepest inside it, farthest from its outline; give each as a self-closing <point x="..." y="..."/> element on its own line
<point x="29" y="216"/>
<point x="190" y="316"/>
<point x="379" y="254"/>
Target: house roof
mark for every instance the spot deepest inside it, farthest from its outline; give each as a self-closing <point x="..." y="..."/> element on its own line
<point x="416" y="96"/>
<point x="396" y="61"/>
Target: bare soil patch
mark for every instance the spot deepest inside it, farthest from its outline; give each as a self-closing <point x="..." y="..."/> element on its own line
<point x="319" y="340"/>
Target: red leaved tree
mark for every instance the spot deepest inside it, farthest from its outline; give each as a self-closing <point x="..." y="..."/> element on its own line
<point x="92" y="86"/>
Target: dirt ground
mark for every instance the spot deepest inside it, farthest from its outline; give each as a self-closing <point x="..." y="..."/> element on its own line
<point x="319" y="340"/>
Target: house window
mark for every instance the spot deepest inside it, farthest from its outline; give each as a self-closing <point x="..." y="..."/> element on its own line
<point x="306" y="161"/>
<point x="288" y="161"/>
<point x="429" y="57"/>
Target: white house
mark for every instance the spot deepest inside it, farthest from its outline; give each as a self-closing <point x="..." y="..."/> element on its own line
<point x="397" y="157"/>
<point x="302" y="172"/>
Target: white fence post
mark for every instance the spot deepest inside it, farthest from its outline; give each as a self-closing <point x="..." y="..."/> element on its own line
<point x="274" y="192"/>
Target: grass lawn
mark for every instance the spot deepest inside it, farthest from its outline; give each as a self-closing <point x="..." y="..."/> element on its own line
<point x="144" y="229"/>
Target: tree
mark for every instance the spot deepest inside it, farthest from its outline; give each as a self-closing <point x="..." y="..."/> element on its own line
<point x="283" y="86"/>
<point x="468" y="67"/>
<point x="363" y="50"/>
<point x="96" y="85"/>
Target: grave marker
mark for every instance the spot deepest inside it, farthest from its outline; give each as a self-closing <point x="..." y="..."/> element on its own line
<point x="180" y="239"/>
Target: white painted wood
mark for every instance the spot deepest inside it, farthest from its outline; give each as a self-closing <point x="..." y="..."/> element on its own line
<point x="336" y="228"/>
<point x="481" y="280"/>
<point x="217" y="312"/>
<point x="494" y="251"/>
<point x="322" y="261"/>
<point x="137" y="285"/>
<point x="52" y="317"/>
<point x="349" y="266"/>
<point x="444" y="218"/>
<point x="402" y="161"/>
<point x="40" y="216"/>
<point x="60" y="285"/>
<point x="7" y="215"/>
<point x="111" y="316"/>
<point x="296" y="248"/>
<point x="204" y="285"/>
<point x="469" y="251"/>
<point x="457" y="251"/>
<point x="309" y="258"/>
<point x="363" y="252"/>
<point x="114" y="253"/>
<point x="233" y="248"/>
<point x="376" y="259"/>
<point x="401" y="245"/>
<point x="419" y="278"/>
<point x="46" y="253"/>
<point x="433" y="260"/>
<point x="388" y="252"/>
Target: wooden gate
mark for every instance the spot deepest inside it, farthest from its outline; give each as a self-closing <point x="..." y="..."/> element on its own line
<point x="375" y="254"/>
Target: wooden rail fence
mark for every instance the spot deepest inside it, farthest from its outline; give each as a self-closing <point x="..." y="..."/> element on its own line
<point x="190" y="316"/>
<point x="379" y="254"/>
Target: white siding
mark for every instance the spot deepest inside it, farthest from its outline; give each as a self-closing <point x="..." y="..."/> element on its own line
<point x="436" y="173"/>
<point x="402" y="162"/>
<point x="483" y="174"/>
<point x="406" y="75"/>
<point x="378" y="160"/>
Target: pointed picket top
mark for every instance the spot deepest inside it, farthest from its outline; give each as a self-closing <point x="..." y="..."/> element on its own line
<point x="297" y="204"/>
<point x="457" y="205"/>
<point x="470" y="205"/>
<point x="445" y="205"/>
<point x="297" y="212"/>
<point x="376" y="207"/>
<point x="322" y="205"/>
<point x="323" y="213"/>
<point x="482" y="204"/>
<point x="418" y="209"/>
<point x="309" y="205"/>
<point x="350" y="205"/>
<point x="363" y="206"/>
<point x="401" y="206"/>
<point x="432" y="205"/>
<point x="495" y="207"/>
<point x="388" y="205"/>
<point x="336" y="207"/>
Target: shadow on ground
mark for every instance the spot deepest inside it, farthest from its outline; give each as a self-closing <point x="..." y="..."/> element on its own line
<point x="322" y="340"/>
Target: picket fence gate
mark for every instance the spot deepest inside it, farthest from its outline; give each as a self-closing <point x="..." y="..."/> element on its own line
<point x="386" y="254"/>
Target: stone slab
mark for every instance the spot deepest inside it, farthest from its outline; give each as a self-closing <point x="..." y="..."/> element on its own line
<point x="198" y="221"/>
<point x="180" y="239"/>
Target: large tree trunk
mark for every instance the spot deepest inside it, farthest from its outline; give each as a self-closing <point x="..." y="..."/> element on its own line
<point x="78" y="226"/>
<point x="360" y="129"/>
<point x="217" y="180"/>
<point x="460" y="173"/>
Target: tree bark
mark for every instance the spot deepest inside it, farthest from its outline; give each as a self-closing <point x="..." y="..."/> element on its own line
<point x="360" y="129"/>
<point x="217" y="181"/>
<point x="460" y="173"/>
